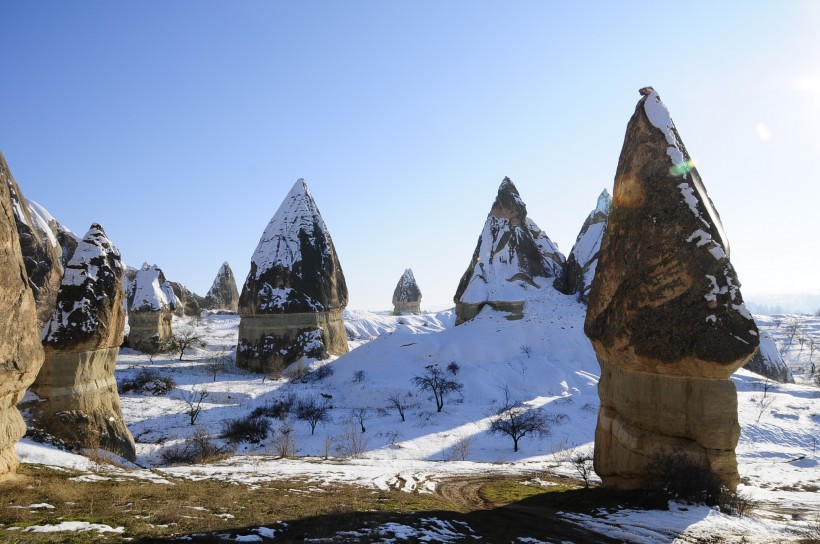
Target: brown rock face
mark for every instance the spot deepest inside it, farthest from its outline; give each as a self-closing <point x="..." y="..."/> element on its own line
<point x="407" y="295"/>
<point x="666" y="317"/>
<point x="21" y="354"/>
<point x="293" y="298"/>
<point x="81" y="341"/>
<point x="41" y="251"/>
<point x="188" y="302"/>
<point x="223" y="294"/>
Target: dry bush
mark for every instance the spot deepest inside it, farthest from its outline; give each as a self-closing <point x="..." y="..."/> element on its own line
<point x="197" y="448"/>
<point x="279" y="409"/>
<point x="245" y="429"/>
<point x="148" y="382"/>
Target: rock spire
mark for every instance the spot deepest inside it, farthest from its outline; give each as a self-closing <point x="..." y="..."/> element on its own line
<point x="407" y="295"/>
<point x="583" y="259"/>
<point x="666" y="317"/>
<point x="151" y="303"/>
<point x="512" y="257"/>
<point x="223" y="294"/>
<point x="292" y="300"/>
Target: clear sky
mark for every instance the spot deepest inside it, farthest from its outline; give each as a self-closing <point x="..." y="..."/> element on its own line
<point x="180" y="126"/>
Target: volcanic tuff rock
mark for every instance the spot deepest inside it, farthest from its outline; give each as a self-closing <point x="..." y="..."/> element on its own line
<point x="767" y="361"/>
<point x="666" y="317"/>
<point x="65" y="238"/>
<point x="21" y="353"/>
<point x="223" y="294"/>
<point x="151" y="303"/>
<point x="41" y="250"/>
<point x="512" y="257"/>
<point x="407" y="295"/>
<point x="583" y="259"/>
<point x="292" y="300"/>
<point x="187" y="302"/>
<point x="79" y="396"/>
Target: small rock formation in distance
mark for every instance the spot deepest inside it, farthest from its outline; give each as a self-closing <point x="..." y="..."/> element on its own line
<point x="21" y="353"/>
<point x="151" y="304"/>
<point x="79" y="400"/>
<point x="293" y="298"/>
<point x="512" y="257"/>
<point x="583" y="259"/>
<point x="407" y="295"/>
<point x="666" y="317"/>
<point x="223" y="294"/>
<point x="187" y="302"/>
<point x="768" y="362"/>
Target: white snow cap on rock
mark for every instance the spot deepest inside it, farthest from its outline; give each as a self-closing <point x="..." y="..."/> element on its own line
<point x="151" y="291"/>
<point x="280" y="243"/>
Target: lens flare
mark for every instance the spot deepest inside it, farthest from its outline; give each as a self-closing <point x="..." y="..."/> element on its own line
<point x="682" y="168"/>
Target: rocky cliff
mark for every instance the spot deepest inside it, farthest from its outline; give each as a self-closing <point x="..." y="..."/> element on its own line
<point x="583" y="259"/>
<point x="512" y="257"/>
<point x="292" y="300"/>
<point x="80" y="404"/>
<point x="666" y="317"/>
<point x="187" y="302"/>
<point x="407" y="295"/>
<point x="21" y="353"/>
<point x="768" y="362"/>
<point x="223" y="294"/>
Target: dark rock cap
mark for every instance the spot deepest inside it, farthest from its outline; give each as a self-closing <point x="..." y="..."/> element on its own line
<point x="407" y="290"/>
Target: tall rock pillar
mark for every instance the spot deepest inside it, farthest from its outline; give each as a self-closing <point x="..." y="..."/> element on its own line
<point x="21" y="354"/>
<point x="666" y="317"/>
<point x="293" y="298"/>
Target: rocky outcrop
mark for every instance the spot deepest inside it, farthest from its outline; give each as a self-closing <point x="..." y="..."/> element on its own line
<point x="41" y="250"/>
<point x="187" y="302"/>
<point x="292" y="300"/>
<point x="223" y="294"/>
<point x="78" y="392"/>
<point x="583" y="259"/>
<point x="151" y="303"/>
<point x="21" y="353"/>
<point x="66" y="239"/>
<point x="768" y="362"/>
<point x="666" y="317"/>
<point x="512" y="258"/>
<point x="407" y="295"/>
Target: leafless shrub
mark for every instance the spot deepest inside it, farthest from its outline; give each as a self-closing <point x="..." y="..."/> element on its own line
<point x="351" y="443"/>
<point x="198" y="448"/>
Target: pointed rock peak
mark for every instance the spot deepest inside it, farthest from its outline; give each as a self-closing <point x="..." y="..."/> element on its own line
<point x="225" y="266"/>
<point x="151" y="291"/>
<point x="508" y="204"/>
<point x="408" y="275"/>
<point x="604" y="202"/>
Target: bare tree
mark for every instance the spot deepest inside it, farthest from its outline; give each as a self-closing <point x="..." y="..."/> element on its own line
<point x="194" y="399"/>
<point x="154" y="346"/>
<point x="360" y="415"/>
<point x="186" y="338"/>
<point x="284" y="445"/>
<point x="792" y="327"/>
<point x="765" y="401"/>
<point x="582" y="463"/>
<point x="399" y="402"/>
<point x="516" y="420"/>
<point x="313" y="411"/>
<point x="217" y="362"/>
<point x="436" y="382"/>
<point x="813" y="345"/>
<point x="351" y="443"/>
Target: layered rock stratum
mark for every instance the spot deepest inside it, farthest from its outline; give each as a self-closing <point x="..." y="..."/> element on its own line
<point x="582" y="261"/>
<point x="79" y="400"/>
<point x="293" y="298"/>
<point x="666" y="317"/>
<point x="223" y="294"/>
<point x="21" y="354"/>
<point x="151" y="303"/>
<point x="407" y="295"/>
<point x="513" y="256"/>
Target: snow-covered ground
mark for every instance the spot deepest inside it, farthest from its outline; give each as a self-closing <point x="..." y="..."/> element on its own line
<point x="544" y="360"/>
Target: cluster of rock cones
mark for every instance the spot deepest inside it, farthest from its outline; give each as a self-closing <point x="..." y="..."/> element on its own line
<point x="665" y="317"/>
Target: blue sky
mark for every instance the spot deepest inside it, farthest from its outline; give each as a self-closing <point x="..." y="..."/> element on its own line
<point x="180" y="126"/>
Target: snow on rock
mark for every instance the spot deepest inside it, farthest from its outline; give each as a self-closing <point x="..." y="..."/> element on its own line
<point x="579" y="269"/>
<point x="295" y="288"/>
<point x="150" y="291"/>
<point x="407" y="295"/>
<point x="768" y="362"/>
<point x="511" y="260"/>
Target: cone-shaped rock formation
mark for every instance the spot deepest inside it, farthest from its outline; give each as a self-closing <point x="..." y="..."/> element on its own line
<point x="21" y="353"/>
<point x="151" y="303"/>
<point x="79" y="396"/>
<point x="187" y="302"/>
<point x="223" y="294"/>
<point x="583" y="259"/>
<point x="40" y="247"/>
<point x="768" y="362"/>
<point x="292" y="300"/>
<point x="666" y="317"/>
<point x="407" y="295"/>
<point x="512" y="257"/>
